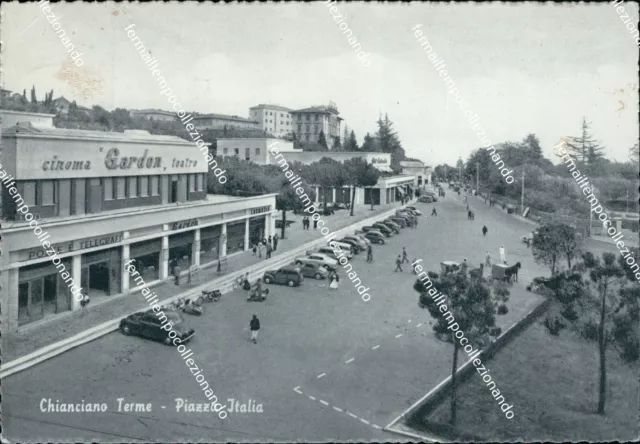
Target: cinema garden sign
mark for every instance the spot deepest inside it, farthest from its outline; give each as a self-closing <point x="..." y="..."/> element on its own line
<point x="112" y="161"/>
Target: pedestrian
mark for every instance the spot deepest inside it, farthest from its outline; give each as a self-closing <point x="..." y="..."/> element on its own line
<point x="398" y="264"/>
<point x="487" y="260"/>
<point x="404" y="255"/>
<point x="246" y="285"/>
<point x="484" y="230"/>
<point x="315" y="224"/>
<point x="275" y="242"/>
<point x="260" y="250"/>
<point x="369" y="254"/>
<point x="254" y="325"/>
<point x="176" y="273"/>
<point x="434" y="212"/>
<point x="270" y="241"/>
<point x="503" y="256"/>
<point x="269" y="249"/>
<point x="335" y="281"/>
<point x="255" y="249"/>
<point x="415" y="225"/>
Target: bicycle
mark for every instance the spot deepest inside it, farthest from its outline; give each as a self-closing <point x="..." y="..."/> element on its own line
<point x="237" y="282"/>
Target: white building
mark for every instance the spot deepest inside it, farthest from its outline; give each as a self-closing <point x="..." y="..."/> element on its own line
<point x="274" y="119"/>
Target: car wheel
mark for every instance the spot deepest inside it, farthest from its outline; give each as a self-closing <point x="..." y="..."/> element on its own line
<point x="167" y="341"/>
<point x="380" y="242"/>
<point x="267" y="280"/>
<point x="125" y="330"/>
<point x="291" y="284"/>
<point x="318" y="276"/>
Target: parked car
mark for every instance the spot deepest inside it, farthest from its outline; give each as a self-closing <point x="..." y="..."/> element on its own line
<point x="399" y="220"/>
<point x="375" y="236"/>
<point x="427" y="199"/>
<point x="328" y="251"/>
<point x="410" y="211"/>
<point x="408" y="216"/>
<point x="388" y="232"/>
<point x="360" y="235"/>
<point x="355" y="245"/>
<point x="147" y="325"/>
<point x="362" y="244"/>
<point x="288" y="224"/>
<point x="315" y="271"/>
<point x="392" y="224"/>
<point x="369" y="228"/>
<point x="349" y="250"/>
<point x="287" y="275"/>
<point x="415" y="210"/>
<point x="318" y="259"/>
<point x="342" y="206"/>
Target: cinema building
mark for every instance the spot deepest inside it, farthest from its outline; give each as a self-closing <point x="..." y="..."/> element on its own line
<point x="103" y="199"/>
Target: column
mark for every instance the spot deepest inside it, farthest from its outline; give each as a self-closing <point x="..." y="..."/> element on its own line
<point x="246" y="234"/>
<point x="223" y="240"/>
<point x="164" y="258"/>
<point x="318" y="194"/>
<point x="76" y="272"/>
<point x="334" y="194"/>
<point x="195" y="248"/>
<point x="125" y="273"/>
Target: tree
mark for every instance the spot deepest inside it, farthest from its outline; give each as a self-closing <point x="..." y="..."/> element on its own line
<point x="352" y="144"/>
<point x="370" y="144"/>
<point x="474" y="306"/>
<point x="592" y="299"/>
<point x="389" y="141"/>
<point x="546" y="245"/>
<point x="569" y="242"/>
<point x="24" y="94"/>
<point x="34" y="100"/>
<point x="288" y="200"/>
<point x="359" y="174"/>
<point x="336" y="144"/>
<point x="531" y="144"/>
<point x="322" y="141"/>
<point x="584" y="147"/>
<point x="460" y="168"/>
<point x="634" y="154"/>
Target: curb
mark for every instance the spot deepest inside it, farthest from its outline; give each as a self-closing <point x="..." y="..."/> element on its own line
<point x="224" y="284"/>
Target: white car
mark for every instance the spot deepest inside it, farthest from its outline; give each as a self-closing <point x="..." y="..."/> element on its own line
<point x="319" y="259"/>
<point x="345" y="247"/>
<point x="360" y="235"/>
<point x="357" y="239"/>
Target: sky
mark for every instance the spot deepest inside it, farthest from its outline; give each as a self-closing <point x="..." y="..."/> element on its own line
<point x="523" y="68"/>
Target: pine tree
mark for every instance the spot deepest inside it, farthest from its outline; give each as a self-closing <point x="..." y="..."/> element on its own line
<point x="352" y="144"/>
<point x="532" y="145"/>
<point x="322" y="141"/>
<point x="585" y="148"/>
<point x="370" y="144"/>
<point x="33" y="94"/>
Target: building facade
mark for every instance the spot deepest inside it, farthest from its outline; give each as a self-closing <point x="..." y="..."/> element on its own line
<point x="309" y="122"/>
<point x="417" y="168"/>
<point x="154" y="114"/>
<point x="273" y="119"/>
<point x="12" y="118"/>
<point x="219" y="121"/>
<point x="95" y="200"/>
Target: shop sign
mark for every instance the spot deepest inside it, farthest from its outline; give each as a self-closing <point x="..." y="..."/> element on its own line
<point x="67" y="247"/>
<point x="382" y="160"/>
<point x="260" y="210"/>
<point x="184" y="224"/>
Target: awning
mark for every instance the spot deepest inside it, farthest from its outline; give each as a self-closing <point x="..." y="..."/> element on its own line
<point x="384" y="168"/>
<point x="400" y="191"/>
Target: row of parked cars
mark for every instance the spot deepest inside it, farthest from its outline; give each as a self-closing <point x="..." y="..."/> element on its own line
<point x="427" y="197"/>
<point x="323" y="261"/>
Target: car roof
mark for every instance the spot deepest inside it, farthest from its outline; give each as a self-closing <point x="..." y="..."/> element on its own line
<point x="289" y="268"/>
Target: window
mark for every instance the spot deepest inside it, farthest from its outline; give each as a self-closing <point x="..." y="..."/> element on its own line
<point x="48" y="192"/>
<point x="299" y="127"/>
<point x="236" y="151"/>
<point x="192" y="182"/>
<point x="247" y="153"/>
<point x="143" y="186"/>
<point x="107" y="186"/>
<point x="281" y="122"/>
<point x="317" y="117"/>
<point x="308" y="128"/>
<point x="281" y="114"/>
<point x="120" y="187"/>
<point x="155" y="185"/>
<point x="257" y="151"/>
<point x="225" y="150"/>
<point x="200" y="181"/>
<point x="30" y="193"/>
<point x="132" y="183"/>
<point x="308" y="117"/>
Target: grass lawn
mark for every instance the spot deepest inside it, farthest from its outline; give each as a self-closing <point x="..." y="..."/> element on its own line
<point x="552" y="383"/>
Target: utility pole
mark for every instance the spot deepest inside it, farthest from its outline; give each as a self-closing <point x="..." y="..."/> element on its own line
<point x="627" y="201"/>
<point x="477" y="177"/>
<point x="522" y="195"/>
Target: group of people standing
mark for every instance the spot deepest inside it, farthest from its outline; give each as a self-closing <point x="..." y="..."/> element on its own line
<point x="306" y="222"/>
<point x="269" y="244"/>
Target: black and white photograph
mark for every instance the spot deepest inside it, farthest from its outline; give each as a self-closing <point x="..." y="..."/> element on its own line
<point x="319" y="221"/>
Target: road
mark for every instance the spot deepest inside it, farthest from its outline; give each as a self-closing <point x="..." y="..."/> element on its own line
<point x="354" y="365"/>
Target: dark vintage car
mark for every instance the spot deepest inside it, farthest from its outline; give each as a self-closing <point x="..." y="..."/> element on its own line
<point x="312" y="270"/>
<point x="375" y="236"/>
<point x="147" y="324"/>
<point x="399" y="220"/>
<point x="391" y="224"/>
<point x="287" y="275"/>
<point x="383" y="229"/>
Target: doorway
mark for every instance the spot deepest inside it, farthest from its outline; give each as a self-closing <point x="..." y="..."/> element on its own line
<point x="173" y="198"/>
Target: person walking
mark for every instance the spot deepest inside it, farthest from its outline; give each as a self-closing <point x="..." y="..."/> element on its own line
<point x="260" y="247"/>
<point x="398" y="264"/>
<point x="434" y="212"/>
<point x="484" y="230"/>
<point x="503" y="256"/>
<point x="315" y="224"/>
<point x="369" y="254"/>
<point x="255" y="249"/>
<point x="404" y="255"/>
<point x="487" y="260"/>
<point x="176" y="273"/>
<point x="269" y="249"/>
<point x="335" y="281"/>
<point x="254" y="325"/>
<point x="415" y="225"/>
<point x="270" y="241"/>
<point x="275" y="242"/>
